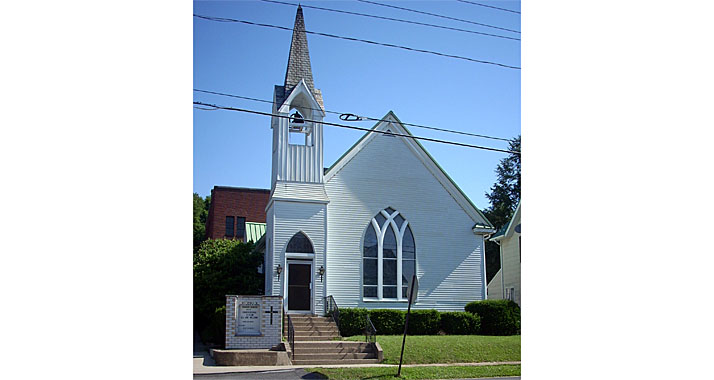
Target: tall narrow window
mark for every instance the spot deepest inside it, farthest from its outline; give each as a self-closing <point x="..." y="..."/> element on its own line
<point x="388" y="257"/>
<point x="230" y="221"/>
<point x="240" y="228"/>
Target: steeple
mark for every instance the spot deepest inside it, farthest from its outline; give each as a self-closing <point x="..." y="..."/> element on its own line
<point x="299" y="61"/>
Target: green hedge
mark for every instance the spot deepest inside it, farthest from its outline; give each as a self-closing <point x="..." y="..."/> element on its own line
<point x="498" y="317"/>
<point x="388" y="321"/>
<point x="352" y="321"/>
<point x="460" y="323"/>
<point x="423" y="322"/>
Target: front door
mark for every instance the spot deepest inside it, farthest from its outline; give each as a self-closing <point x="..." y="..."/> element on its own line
<point x="299" y="287"/>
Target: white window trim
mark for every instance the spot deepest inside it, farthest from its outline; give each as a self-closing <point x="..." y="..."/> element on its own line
<point x="381" y="231"/>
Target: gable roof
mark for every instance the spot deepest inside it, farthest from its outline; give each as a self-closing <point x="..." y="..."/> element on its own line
<point x="508" y="228"/>
<point x="391" y="122"/>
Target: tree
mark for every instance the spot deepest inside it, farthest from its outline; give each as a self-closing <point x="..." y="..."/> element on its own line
<point x="222" y="267"/>
<point x="200" y="215"/>
<point x="504" y="197"/>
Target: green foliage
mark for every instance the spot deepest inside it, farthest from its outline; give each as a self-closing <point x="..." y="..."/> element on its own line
<point x="220" y="268"/>
<point x="352" y="321"/>
<point x="215" y="330"/>
<point x="460" y="323"/>
<point x="388" y="321"/>
<point x="200" y="215"/>
<point x="498" y="317"/>
<point x="424" y="322"/>
<point x="421" y="322"/>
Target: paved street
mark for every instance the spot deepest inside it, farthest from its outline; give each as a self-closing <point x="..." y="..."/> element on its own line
<point x="285" y="374"/>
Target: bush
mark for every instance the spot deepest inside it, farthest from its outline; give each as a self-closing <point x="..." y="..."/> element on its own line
<point x="352" y="321"/>
<point x="498" y="317"/>
<point x="460" y="323"/>
<point x="223" y="267"/>
<point x="387" y="321"/>
<point x="424" y="322"/>
<point x="215" y="330"/>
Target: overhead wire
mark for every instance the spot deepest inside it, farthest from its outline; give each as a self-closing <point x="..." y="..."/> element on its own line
<point x="359" y="116"/>
<point x="223" y="19"/>
<point x="438" y="15"/>
<point x="391" y="19"/>
<point x="359" y="128"/>
<point x="488" y="6"/>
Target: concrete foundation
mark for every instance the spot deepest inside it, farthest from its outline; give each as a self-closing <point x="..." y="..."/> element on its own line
<point x="250" y="357"/>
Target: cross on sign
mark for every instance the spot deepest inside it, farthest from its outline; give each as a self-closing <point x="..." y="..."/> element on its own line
<point x="271" y="312"/>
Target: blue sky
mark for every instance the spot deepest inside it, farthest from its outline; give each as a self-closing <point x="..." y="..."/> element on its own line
<point x="233" y="149"/>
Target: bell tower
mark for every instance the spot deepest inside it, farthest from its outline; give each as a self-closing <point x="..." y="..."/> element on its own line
<point x="296" y="215"/>
<point x="297" y="131"/>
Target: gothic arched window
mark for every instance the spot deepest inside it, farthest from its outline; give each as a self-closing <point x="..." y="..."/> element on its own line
<point x="388" y="257"/>
<point x="299" y="243"/>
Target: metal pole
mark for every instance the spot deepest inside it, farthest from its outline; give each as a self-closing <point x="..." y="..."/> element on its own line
<point x="406" y="325"/>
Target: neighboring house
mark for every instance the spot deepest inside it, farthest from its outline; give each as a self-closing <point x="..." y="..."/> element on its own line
<point x="237" y="213"/>
<point x="359" y="230"/>
<point x="506" y="284"/>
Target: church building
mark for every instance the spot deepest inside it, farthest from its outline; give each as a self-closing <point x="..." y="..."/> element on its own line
<point x="359" y="230"/>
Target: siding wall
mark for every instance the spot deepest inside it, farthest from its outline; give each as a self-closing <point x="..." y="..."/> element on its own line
<point x="290" y="218"/>
<point x="512" y="264"/>
<point x="449" y="255"/>
<point x="495" y="291"/>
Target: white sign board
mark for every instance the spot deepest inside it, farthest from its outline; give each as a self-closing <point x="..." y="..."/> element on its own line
<point x="248" y="317"/>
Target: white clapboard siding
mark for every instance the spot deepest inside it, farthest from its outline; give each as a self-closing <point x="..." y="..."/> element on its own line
<point x="512" y="264"/>
<point x="269" y="261"/>
<point x="387" y="173"/>
<point x="495" y="291"/>
<point x="290" y="218"/>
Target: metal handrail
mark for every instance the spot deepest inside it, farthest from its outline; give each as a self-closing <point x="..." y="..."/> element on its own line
<point x="331" y="309"/>
<point x="291" y="335"/>
<point x="370" y="333"/>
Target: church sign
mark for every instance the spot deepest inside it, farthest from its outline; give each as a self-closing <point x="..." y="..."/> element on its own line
<point x="253" y="321"/>
<point x="248" y="317"/>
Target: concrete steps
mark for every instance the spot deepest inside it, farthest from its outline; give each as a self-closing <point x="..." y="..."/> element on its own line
<point x="316" y="344"/>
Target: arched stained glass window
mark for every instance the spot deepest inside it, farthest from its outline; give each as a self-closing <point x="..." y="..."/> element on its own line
<point x="388" y="257"/>
<point x="299" y="243"/>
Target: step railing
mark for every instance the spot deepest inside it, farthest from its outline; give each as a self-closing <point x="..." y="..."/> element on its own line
<point x="291" y="335"/>
<point x="370" y="333"/>
<point x="332" y="310"/>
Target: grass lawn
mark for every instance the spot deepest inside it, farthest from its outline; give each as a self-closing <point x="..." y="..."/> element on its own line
<point x="417" y="372"/>
<point x="428" y="349"/>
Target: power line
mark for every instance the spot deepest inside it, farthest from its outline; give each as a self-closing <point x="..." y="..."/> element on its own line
<point x="391" y="19"/>
<point x="437" y="15"/>
<point x="359" y="128"/>
<point x="360" y="117"/>
<point x="488" y="6"/>
<point x="222" y="19"/>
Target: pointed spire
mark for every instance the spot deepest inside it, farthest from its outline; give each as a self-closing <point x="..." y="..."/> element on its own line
<point x="299" y="60"/>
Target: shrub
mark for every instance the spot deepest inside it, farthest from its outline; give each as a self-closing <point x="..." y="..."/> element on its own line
<point x="498" y="317"/>
<point x="387" y="321"/>
<point x="424" y="322"/>
<point x="223" y="267"/>
<point x="460" y="323"/>
<point x="215" y="330"/>
<point x="352" y="321"/>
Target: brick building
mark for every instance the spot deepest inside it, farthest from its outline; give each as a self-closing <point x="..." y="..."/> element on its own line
<point x="237" y="213"/>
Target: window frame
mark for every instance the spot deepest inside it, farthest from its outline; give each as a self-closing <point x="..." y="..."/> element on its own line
<point x="233" y="227"/>
<point x="380" y="232"/>
<point x="239" y="220"/>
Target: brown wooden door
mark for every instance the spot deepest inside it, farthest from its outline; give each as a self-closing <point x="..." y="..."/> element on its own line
<point x="299" y="289"/>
